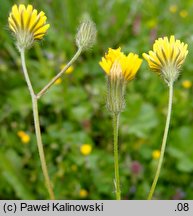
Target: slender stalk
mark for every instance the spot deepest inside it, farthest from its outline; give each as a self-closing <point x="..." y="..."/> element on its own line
<point x="116" y="155"/>
<point x="40" y="149"/>
<point x="44" y="90"/>
<point x="37" y="128"/>
<point x="163" y="146"/>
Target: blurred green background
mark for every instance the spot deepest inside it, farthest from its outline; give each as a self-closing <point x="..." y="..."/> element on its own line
<point x="76" y="127"/>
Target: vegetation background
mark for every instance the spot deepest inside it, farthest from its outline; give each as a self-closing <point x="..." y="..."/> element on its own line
<point x="73" y="112"/>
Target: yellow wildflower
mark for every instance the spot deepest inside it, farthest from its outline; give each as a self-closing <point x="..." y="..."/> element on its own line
<point x="183" y="13"/>
<point x="129" y="64"/>
<point x="173" y="8"/>
<point x="25" y="138"/>
<point x="83" y="193"/>
<point x="187" y="84"/>
<point x="167" y="57"/>
<point x="69" y="70"/>
<point x="27" y="25"/>
<point x="58" y="81"/>
<point x="156" y="154"/>
<point x="20" y="133"/>
<point x="119" y="69"/>
<point x="86" y="149"/>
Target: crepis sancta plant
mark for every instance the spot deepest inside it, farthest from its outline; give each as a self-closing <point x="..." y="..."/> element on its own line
<point x="166" y="59"/>
<point x="28" y="25"/>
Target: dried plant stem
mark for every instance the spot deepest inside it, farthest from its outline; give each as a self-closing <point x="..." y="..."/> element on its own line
<point x="116" y="154"/>
<point x="37" y="128"/>
<point x="163" y="146"/>
<point x="74" y="58"/>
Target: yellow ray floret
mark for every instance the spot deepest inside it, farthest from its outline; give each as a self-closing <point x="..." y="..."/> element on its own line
<point x="27" y="24"/>
<point x="166" y="53"/>
<point x="129" y="64"/>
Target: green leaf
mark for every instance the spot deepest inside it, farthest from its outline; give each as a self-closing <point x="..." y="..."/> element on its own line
<point x="19" y="101"/>
<point x="181" y="148"/>
<point x="12" y="172"/>
<point x="142" y="121"/>
<point x="81" y="112"/>
<point x="185" y="165"/>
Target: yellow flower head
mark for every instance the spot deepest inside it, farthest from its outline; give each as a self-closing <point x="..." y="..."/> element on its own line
<point x="83" y="193"/>
<point x="129" y="64"/>
<point x="58" y="81"/>
<point x="86" y="149"/>
<point x="69" y="70"/>
<point x="25" y="138"/>
<point x="119" y="69"/>
<point x="156" y="154"/>
<point x="187" y="84"/>
<point x="167" y="57"/>
<point x="27" y="25"/>
<point x="183" y="13"/>
<point x="173" y="8"/>
<point x="20" y="133"/>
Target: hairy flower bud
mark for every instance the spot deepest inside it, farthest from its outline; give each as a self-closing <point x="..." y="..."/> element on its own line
<point x="116" y="89"/>
<point x="86" y="35"/>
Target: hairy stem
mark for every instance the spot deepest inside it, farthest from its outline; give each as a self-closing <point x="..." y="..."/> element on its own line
<point x="44" y="90"/>
<point x="116" y="155"/>
<point x="37" y="127"/>
<point x="163" y="146"/>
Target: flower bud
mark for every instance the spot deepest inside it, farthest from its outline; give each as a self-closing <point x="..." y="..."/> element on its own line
<point x="86" y="35"/>
<point x="116" y="89"/>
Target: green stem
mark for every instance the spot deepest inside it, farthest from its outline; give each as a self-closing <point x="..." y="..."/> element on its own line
<point x="37" y="128"/>
<point x="163" y="146"/>
<point x="44" y="90"/>
<point x="116" y="154"/>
